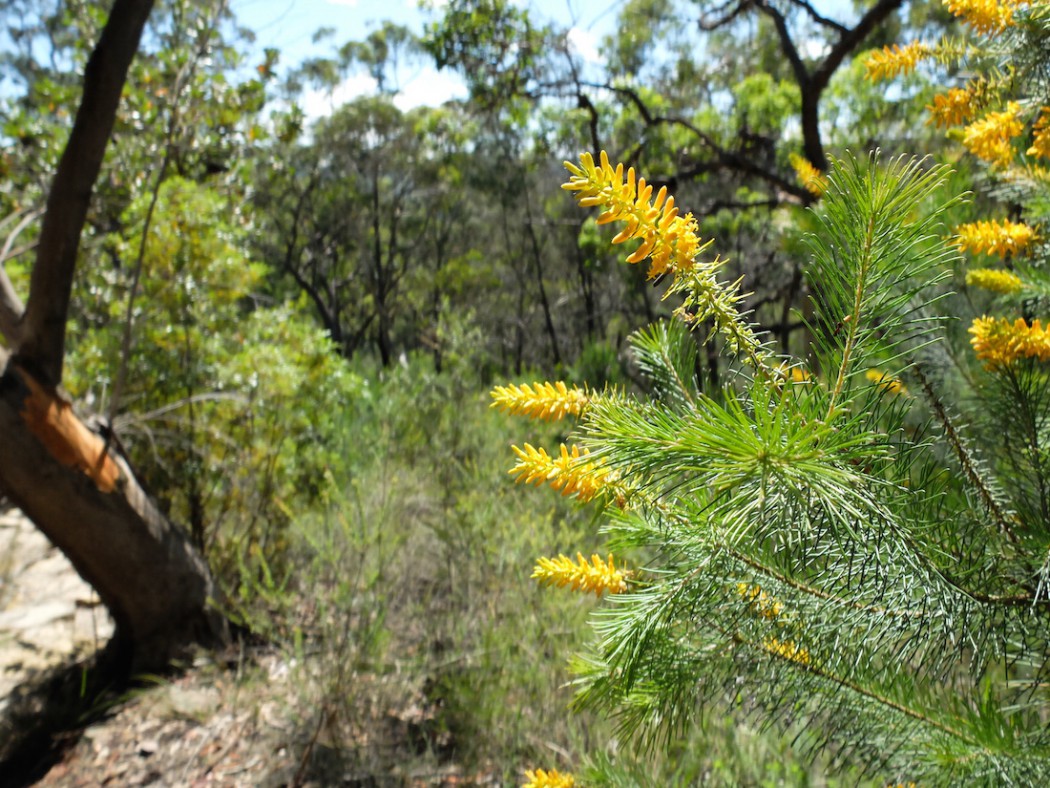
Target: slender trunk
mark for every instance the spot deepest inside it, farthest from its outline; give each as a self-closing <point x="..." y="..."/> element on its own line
<point x="386" y="352"/>
<point x="548" y="319"/>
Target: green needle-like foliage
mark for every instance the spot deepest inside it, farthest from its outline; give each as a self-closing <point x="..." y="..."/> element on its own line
<point x="824" y="549"/>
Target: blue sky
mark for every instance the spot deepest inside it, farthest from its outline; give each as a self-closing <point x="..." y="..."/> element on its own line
<point x="289" y="25"/>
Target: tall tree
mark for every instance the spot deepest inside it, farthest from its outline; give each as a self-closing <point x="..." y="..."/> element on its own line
<point x="73" y="483"/>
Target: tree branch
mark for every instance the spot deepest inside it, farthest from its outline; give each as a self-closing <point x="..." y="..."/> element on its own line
<point x="12" y="310"/>
<point x="42" y="345"/>
<point x="820" y="20"/>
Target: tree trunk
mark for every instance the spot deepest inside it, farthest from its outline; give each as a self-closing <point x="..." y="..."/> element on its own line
<point x="62" y="475"/>
<point x="88" y="503"/>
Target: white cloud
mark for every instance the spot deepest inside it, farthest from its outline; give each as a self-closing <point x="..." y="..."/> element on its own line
<point x="429" y="88"/>
<point x="584" y="43"/>
<point x="346" y="3"/>
<point x="320" y="103"/>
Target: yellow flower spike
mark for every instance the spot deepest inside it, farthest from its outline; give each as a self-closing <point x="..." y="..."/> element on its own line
<point x="888" y="62"/>
<point x="989" y="138"/>
<point x="570" y="472"/>
<point x="597" y="576"/>
<point x="985" y="16"/>
<point x="886" y="381"/>
<point x="994" y="237"/>
<point x="547" y="401"/>
<point x="548" y="779"/>
<point x="952" y="108"/>
<point x="999" y="343"/>
<point x="814" y="181"/>
<point x="672" y="243"/>
<point x="1041" y="136"/>
<point x="762" y="604"/>
<point x="670" y="239"/>
<point x="994" y="279"/>
<point x="786" y="649"/>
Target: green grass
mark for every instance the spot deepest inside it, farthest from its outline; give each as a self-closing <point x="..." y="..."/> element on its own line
<point x="419" y="639"/>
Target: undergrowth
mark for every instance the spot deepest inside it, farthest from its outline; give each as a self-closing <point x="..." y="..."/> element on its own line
<point x="405" y="610"/>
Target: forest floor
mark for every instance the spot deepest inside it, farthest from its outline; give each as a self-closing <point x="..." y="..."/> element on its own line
<point x="235" y="724"/>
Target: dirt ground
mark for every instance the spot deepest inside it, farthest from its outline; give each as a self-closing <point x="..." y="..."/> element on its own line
<point x="241" y="723"/>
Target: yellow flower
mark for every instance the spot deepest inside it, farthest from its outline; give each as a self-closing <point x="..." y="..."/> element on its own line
<point x="548" y="779"/>
<point x="1041" y="140"/>
<point x="952" y="108"/>
<point x="886" y="381"/>
<point x="762" y="604"/>
<point x="596" y="576"/>
<point x="672" y="244"/>
<point x="814" y="181"/>
<point x="570" y="472"/>
<point x="985" y="16"/>
<point x="999" y="343"/>
<point x="787" y="649"/>
<point x="989" y="138"/>
<point x="888" y="62"/>
<point x="793" y="374"/>
<point x="994" y="237"/>
<point x="670" y="240"/>
<point x="994" y="279"/>
<point x="548" y="401"/>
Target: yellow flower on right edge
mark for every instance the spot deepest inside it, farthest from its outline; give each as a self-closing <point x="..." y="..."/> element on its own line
<point x="994" y="237"/>
<point x="991" y="138"/>
<point x="985" y="16"/>
<point x="999" y="343"/>
<point x="995" y="280"/>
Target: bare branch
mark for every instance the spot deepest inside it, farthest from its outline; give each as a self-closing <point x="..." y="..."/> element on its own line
<point x="820" y="20"/>
<point x="723" y="15"/>
<point x="725" y="158"/>
<point x="42" y="345"/>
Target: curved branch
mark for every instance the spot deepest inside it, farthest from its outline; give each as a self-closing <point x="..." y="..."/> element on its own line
<point x="42" y="343"/>
<point x="726" y="158"/>
<point x="820" y="20"/>
<point x="12" y="310"/>
<point x="722" y="17"/>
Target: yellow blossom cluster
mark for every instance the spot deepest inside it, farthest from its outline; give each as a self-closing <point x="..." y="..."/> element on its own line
<point x="596" y="575"/>
<point x="761" y="603"/>
<point x="991" y="138"/>
<point x="956" y="106"/>
<point x="888" y="62"/>
<point x="814" y="181"/>
<point x="671" y="243"/>
<point x="886" y="381"/>
<point x="787" y="649"/>
<point x="994" y="279"/>
<point x="669" y="240"/>
<point x="548" y="401"/>
<point x="570" y="472"/>
<point x="994" y="237"/>
<point x="999" y="343"/>
<point x="1041" y="136"/>
<point x="985" y="16"/>
<point x="548" y="779"/>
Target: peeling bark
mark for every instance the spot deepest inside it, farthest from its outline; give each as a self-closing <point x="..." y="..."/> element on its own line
<point x="156" y="586"/>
